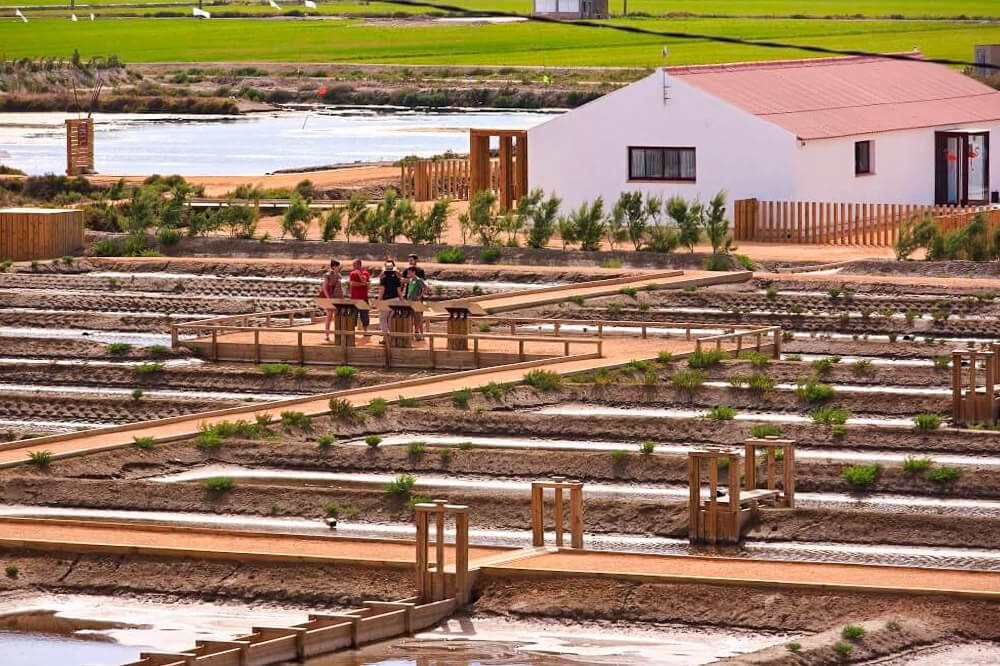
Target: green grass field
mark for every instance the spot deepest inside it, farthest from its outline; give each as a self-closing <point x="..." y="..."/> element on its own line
<point x="873" y="8"/>
<point x="184" y="40"/>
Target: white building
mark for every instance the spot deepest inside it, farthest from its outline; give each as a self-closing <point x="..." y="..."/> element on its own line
<point x="850" y="129"/>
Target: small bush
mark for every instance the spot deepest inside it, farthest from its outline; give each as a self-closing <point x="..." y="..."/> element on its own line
<point x="760" y="382"/>
<point x="416" y="448"/>
<point x="814" y="391"/>
<point x="296" y="420"/>
<point x="373" y="441"/>
<point x="664" y="357"/>
<point x="576" y="299"/>
<point x="892" y="625"/>
<point x="143" y="443"/>
<point x="137" y="394"/>
<point x="843" y="649"/>
<point x="325" y="441"/>
<point x="40" y="458"/>
<point x="452" y="255"/>
<point x="345" y="371"/>
<point x="687" y="380"/>
<point x="861" y="476"/>
<point x="378" y="407"/>
<point x="762" y="430"/>
<point x="464" y="446"/>
<point x="927" y="421"/>
<point x="822" y="365"/>
<point x="271" y="369"/>
<point x="331" y="510"/>
<point x="721" y="413"/>
<point x="794" y="646"/>
<point x="493" y="391"/>
<point x="401" y="485"/>
<point x="771" y="293"/>
<point x="408" y="403"/>
<point x="219" y="483"/>
<point x="756" y="359"/>
<point x="12" y="570"/>
<point x="118" y="348"/>
<point x="830" y="416"/>
<point x="300" y="371"/>
<point x="148" y="368"/>
<point x="208" y="439"/>
<point x="838" y="430"/>
<point x="941" y="362"/>
<point x="862" y="368"/>
<point x="942" y="474"/>
<point x="544" y="380"/>
<point x="445" y="455"/>
<point x="916" y="464"/>
<point x="159" y="350"/>
<point x="619" y="456"/>
<point x="852" y="632"/>
<point x="461" y="398"/>
<point x="341" y="409"/>
<point x="706" y="358"/>
<point x="717" y="262"/>
<point x="647" y="447"/>
<point x="489" y="255"/>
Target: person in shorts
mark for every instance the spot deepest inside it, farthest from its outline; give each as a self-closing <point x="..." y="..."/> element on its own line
<point x="389" y="290"/>
<point x="358" y="281"/>
<point x="332" y="288"/>
<point x="415" y="289"/>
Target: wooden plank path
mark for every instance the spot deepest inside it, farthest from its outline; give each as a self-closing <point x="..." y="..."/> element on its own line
<point x="621" y="351"/>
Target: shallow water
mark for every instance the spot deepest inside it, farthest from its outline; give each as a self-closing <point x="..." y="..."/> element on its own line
<point x="41" y="649"/>
<point x="252" y="144"/>
<point x="149" y="393"/>
<point x="574" y="409"/>
<point x="105" y="337"/>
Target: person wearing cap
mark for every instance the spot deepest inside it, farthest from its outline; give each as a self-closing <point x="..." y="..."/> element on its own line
<point x="332" y="288"/>
<point x="414" y="289"/>
<point x="389" y="286"/>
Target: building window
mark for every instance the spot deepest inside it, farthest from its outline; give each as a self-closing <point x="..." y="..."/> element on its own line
<point x="863" y="157"/>
<point x="661" y="164"/>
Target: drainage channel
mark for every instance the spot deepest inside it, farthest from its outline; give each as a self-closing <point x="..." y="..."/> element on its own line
<point x="914" y="556"/>
<point x="148" y="393"/>
<point x="441" y="484"/>
<point x="84" y="363"/>
<point x="579" y="409"/>
<point x="106" y="337"/>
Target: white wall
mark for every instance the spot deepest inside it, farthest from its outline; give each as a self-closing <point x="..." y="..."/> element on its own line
<point x="584" y="153"/>
<point x="903" y="165"/>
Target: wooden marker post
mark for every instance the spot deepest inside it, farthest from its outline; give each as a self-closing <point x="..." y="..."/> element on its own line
<point x="436" y="583"/>
<point x="715" y="520"/>
<point x="459" y="323"/>
<point x="79" y="146"/>
<point x="345" y="318"/>
<point x="401" y="321"/>
<point x="771" y="445"/>
<point x="558" y="484"/>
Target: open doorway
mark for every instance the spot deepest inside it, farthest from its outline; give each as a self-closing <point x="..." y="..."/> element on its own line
<point x="962" y="167"/>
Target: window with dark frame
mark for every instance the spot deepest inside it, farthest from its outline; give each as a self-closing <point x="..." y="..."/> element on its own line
<point x="654" y="163"/>
<point x="862" y="157"/>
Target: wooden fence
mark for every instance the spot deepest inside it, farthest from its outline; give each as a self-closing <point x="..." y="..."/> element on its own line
<point x="39" y="233"/>
<point x="836" y="223"/>
<point x="427" y="180"/>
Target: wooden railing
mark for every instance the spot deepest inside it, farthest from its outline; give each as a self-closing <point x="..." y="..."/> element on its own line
<point x="427" y="180"/>
<point x="602" y="325"/>
<point x="836" y="223"/>
<point x="736" y="340"/>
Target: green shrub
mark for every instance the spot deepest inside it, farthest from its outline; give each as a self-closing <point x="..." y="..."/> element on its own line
<point x="300" y="371"/>
<point x="862" y="368"/>
<point x="664" y="357"/>
<point x="40" y="458"/>
<point x="118" y="348"/>
<point x="705" y="358"/>
<point x="687" y="380"/>
<point x="159" y="350"/>
<point x="828" y="415"/>
<point x="407" y="402"/>
<point x="576" y="299"/>
<point x="208" y="439"/>
<point x="378" y="407"/>
<point x="544" y="380"/>
<point x="892" y="625"/>
<point x="843" y="649"/>
<point x="461" y="398"/>
<point x="137" y="394"/>
<point x="344" y="371"/>
<point x="941" y="362"/>
<point x="373" y="441"/>
<point x="489" y="255"/>
<point x="793" y="357"/>
<point x="325" y="441"/>
<point x="861" y="476"/>
<point x="771" y="293"/>
<point x="416" y="448"/>
<point x="452" y="255"/>
<point x="838" y="430"/>
<point x="814" y="391"/>
<point x="628" y="291"/>
<point x="445" y="455"/>
<point x="647" y="447"/>
<point x="493" y="391"/>
<point x="721" y="413"/>
<point x="927" y="421"/>
<point x="916" y="464"/>
<point x="12" y="570"/>
<point x="143" y="443"/>
<point x="756" y="359"/>
<point x="718" y="262"/>
<point x="148" y="368"/>
<point x="331" y="510"/>
<point x="942" y="474"/>
<point x="794" y="646"/>
<point x="822" y="365"/>
<point x="762" y="430"/>
<point x="464" y="446"/>
<point x="219" y="484"/>
<point x="852" y="632"/>
<point x="106" y="248"/>
<point x="341" y="409"/>
<point x="296" y="420"/>
<point x="745" y="262"/>
<point x="401" y="485"/>
<point x="760" y="382"/>
<point x="619" y="456"/>
<point x="721" y="462"/>
<point x="271" y="369"/>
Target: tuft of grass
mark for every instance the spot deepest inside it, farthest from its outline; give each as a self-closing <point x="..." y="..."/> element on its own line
<point x="843" y="649"/>
<point x="771" y="293"/>
<point x="418" y="499"/>
<point x="118" y="348"/>
<point x="208" y="439"/>
<point x="927" y="421"/>
<point x="493" y="391"/>
<point x="862" y="368"/>
<point x="838" y="430"/>
<point x="401" y="485"/>
<point x="12" y="570"/>
<point x="762" y="430"/>
<point x="461" y="398"/>
<point x="325" y="441"/>
<point x="331" y="510"/>
<point x="647" y="447"/>
<point x="794" y="646"/>
<point x="39" y="458"/>
<point x="345" y="371"/>
<point x="664" y="357"/>
<point x="143" y="443"/>
<point x="416" y="448"/>
<point x="137" y="394"/>
<point x="861" y="476"/>
<point x="219" y="484"/>
<point x="373" y="441"/>
<point x="760" y="382"/>
<point x="812" y="390"/>
<point x="942" y="362"/>
<point x="577" y="299"/>
<point x="830" y="416"/>
<point x="291" y="419"/>
<point x="445" y="455"/>
<point x="722" y="462"/>
<point x="158" y="350"/>
<point x="148" y="368"/>
<point x="378" y="407"/>
<point x="687" y="380"/>
<point x="852" y="632"/>
<point x="628" y="291"/>
<point x="342" y="410"/>
<point x="917" y="464"/>
<point x="273" y="369"/>
<point x="706" y="358"/>
<point x="892" y="625"/>
<point x="619" y="456"/>
<point x="544" y="380"/>
<point x="822" y="365"/>
<point x="721" y="413"/>
<point x="464" y="446"/>
<point x="407" y="403"/>
<point x="756" y="359"/>
<point x="942" y="474"/>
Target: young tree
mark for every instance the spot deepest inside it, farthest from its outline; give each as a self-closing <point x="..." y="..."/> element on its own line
<point x="632" y="217"/>
<point x="543" y="216"/>
<point x="357" y="210"/>
<point x="403" y="216"/>
<point x="482" y="218"/>
<point x="717" y="226"/>
<point x="687" y="217"/>
<point x="589" y="224"/>
<point x="295" y="223"/>
<point x="332" y="224"/>
<point x="240" y="221"/>
<point x="567" y="232"/>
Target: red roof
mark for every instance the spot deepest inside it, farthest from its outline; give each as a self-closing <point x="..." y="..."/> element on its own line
<point x="822" y="98"/>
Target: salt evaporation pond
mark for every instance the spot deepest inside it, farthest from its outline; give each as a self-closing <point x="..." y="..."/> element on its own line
<point x="253" y="144"/>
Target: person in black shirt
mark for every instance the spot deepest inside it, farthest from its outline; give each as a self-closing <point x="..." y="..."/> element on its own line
<point x="389" y="284"/>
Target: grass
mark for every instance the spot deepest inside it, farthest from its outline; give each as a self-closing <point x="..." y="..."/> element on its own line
<point x="544" y="380"/>
<point x="416" y="448"/>
<point x="118" y="348"/>
<point x="273" y="369"/>
<point x="688" y="380"/>
<point x="942" y="474"/>
<point x="219" y="484"/>
<point x="331" y="510"/>
<point x="647" y="447"/>
<point x="760" y="382"/>
<point x="465" y="446"/>
<point x="341" y="409"/>
<point x="408" y="403"/>
<point x="762" y="430"/>
<point x="12" y="570"/>
<point x="917" y="464"/>
<point x="461" y="398"/>
<point x="794" y="646"/>
<point x="827" y="415"/>
<point x="39" y="458"/>
<point x="137" y="394"/>
<point x="812" y="390"/>
<point x="143" y="443"/>
<point x="619" y="456"/>
<point x="664" y="357"/>
<point x="861" y="477"/>
<point x="148" y="368"/>
<point x="378" y="407"/>
<point x="401" y="485"/>
<point x="852" y="632"/>
<point x="721" y="413"/>
<point x="345" y="371"/>
<point x="325" y="441"/>
<point x="493" y="391"/>
<point x="373" y="441"/>
<point x="291" y="419"/>
<point x="452" y="255"/>
<point x="843" y="649"/>
<point x="445" y="455"/>
<point x="706" y="358"/>
<point x="756" y="359"/>
<point x="927" y="422"/>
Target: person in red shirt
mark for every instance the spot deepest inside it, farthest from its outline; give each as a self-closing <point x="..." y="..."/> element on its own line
<point x="359" y="280"/>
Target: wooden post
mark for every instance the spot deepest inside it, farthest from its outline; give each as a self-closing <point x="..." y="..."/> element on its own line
<point x="537" y="516"/>
<point x="694" y="498"/>
<point x="576" y="516"/>
<point x="557" y="509"/>
<point x="461" y="556"/>
<point x="956" y="386"/>
<point x="421" y="568"/>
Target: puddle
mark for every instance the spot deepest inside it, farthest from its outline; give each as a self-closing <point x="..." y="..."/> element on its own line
<point x="574" y="409"/>
<point x="149" y="393"/>
<point x="106" y="337"/>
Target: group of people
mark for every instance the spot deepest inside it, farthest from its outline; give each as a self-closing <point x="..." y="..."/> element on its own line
<point x="393" y="286"/>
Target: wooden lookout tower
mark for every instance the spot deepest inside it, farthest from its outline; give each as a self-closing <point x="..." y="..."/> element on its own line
<point x="513" y="165"/>
<point x="79" y="146"/>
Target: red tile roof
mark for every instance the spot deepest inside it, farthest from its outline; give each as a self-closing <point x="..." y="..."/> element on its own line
<point x="829" y="97"/>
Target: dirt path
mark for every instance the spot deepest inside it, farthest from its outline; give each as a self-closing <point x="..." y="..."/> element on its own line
<point x="823" y="279"/>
